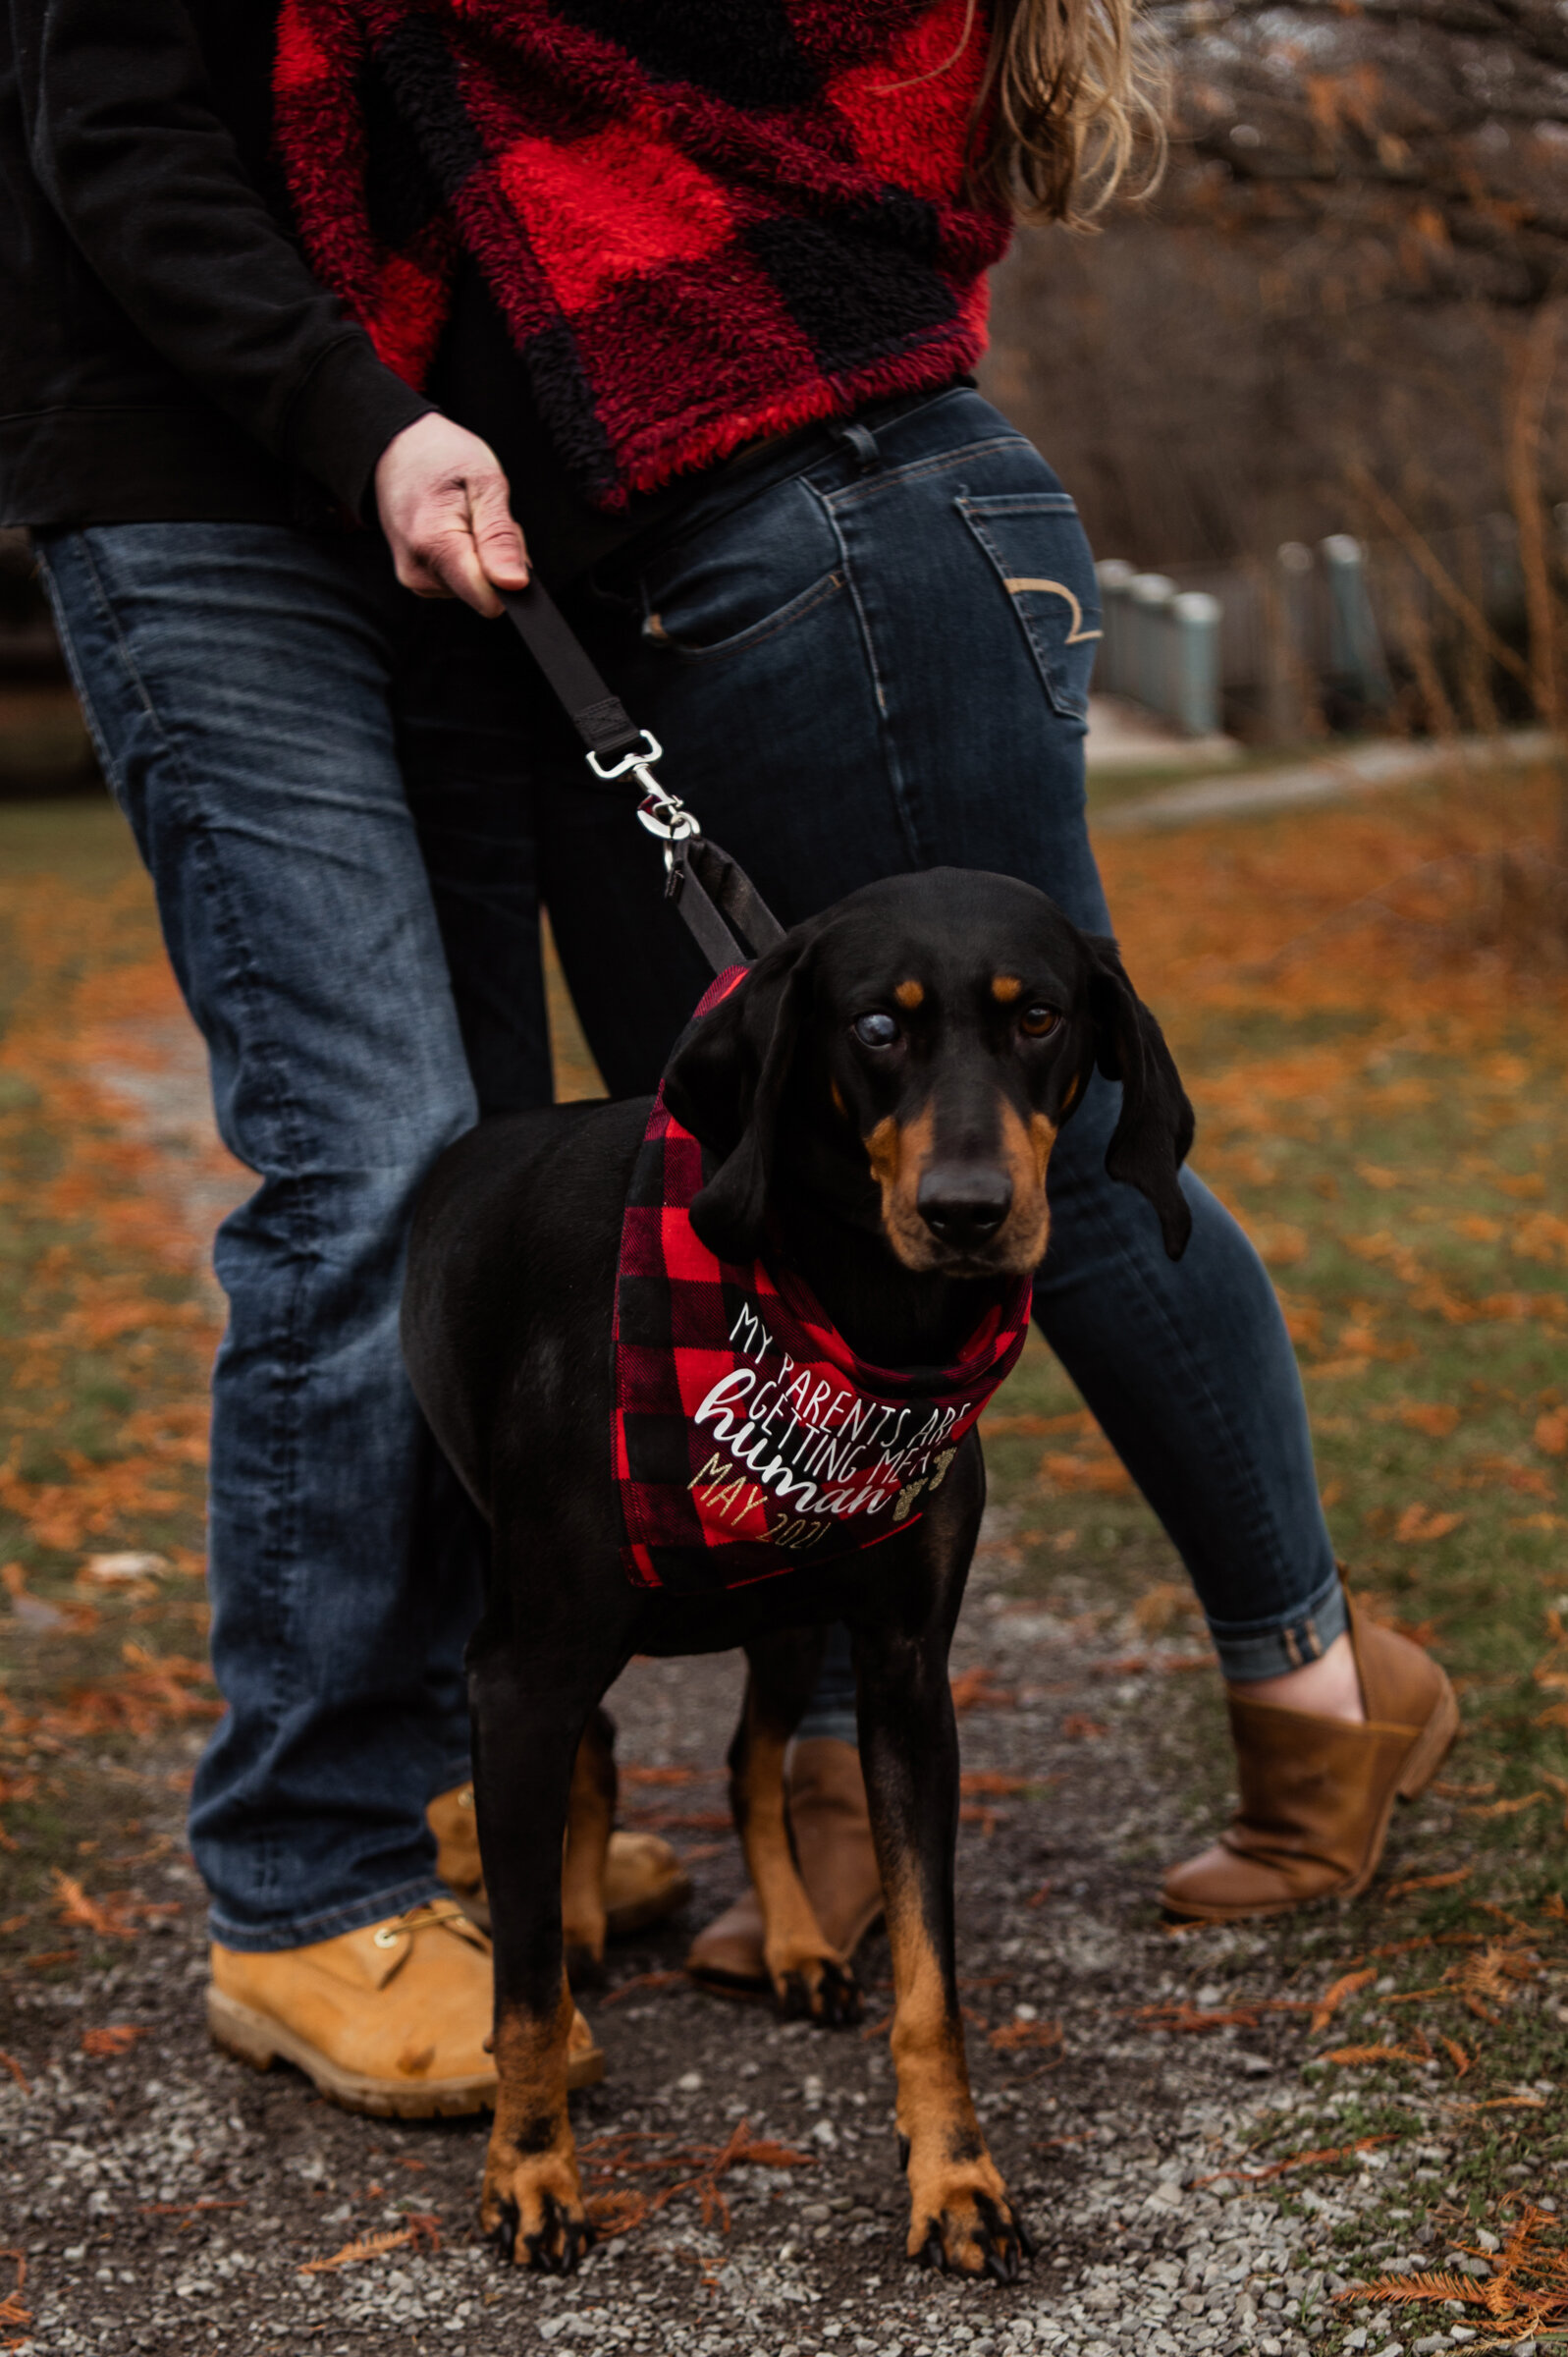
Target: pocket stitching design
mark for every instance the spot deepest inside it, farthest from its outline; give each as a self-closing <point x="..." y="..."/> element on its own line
<point x="1017" y="583"/>
<point x="1054" y="504"/>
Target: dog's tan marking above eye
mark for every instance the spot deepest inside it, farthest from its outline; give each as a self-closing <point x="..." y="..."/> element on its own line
<point x="910" y="994"/>
<point x="1004" y="988"/>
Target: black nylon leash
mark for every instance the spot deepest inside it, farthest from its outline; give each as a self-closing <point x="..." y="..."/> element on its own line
<point x="706" y="885"/>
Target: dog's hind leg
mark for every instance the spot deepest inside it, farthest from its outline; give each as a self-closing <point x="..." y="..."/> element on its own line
<point x="590" y="1816"/>
<point x="808" y="1974"/>
<point x="960" y="2216"/>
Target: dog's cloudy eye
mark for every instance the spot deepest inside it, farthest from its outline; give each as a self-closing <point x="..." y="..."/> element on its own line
<point x="876" y="1030"/>
<point x="1036" y="1023"/>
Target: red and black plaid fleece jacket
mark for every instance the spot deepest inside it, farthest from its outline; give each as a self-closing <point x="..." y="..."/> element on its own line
<point x="702" y="220"/>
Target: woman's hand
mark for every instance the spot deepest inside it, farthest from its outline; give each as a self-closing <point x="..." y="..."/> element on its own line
<point x="447" y="513"/>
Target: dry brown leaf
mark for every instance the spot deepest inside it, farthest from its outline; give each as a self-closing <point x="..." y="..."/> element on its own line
<point x="1328" y="2004"/>
<point x="1510" y="1808"/>
<point x="977" y="1689"/>
<point x="1429" y="1882"/>
<point x="1181" y="2016"/>
<point x="1160" y="1606"/>
<point x="1455" y="2053"/>
<point x="1104" y="1474"/>
<point x="1414" y="2287"/>
<point x="1015" y="2034"/>
<point x="115" y="2038"/>
<point x="1551" y="1432"/>
<point x="422" y="2232"/>
<point x="1417" y="1523"/>
<point x="1374" y="2053"/>
<point x="1435" y="1417"/>
<point x="12" y="2310"/>
<point x="10" y="2062"/>
<point x="1278" y="2169"/>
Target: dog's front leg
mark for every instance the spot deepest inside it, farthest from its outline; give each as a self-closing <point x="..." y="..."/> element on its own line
<point x="590" y="1816"/>
<point x="808" y="1974"/>
<point x="525" y="1743"/>
<point x="960" y="2216"/>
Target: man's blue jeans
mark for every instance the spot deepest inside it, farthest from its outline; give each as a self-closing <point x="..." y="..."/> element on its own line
<point x="867" y="656"/>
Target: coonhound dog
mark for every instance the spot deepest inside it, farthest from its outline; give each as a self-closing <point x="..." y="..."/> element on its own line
<point x="868" y="1118"/>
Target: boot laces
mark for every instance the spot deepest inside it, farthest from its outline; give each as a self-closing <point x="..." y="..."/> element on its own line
<point x="418" y="1919"/>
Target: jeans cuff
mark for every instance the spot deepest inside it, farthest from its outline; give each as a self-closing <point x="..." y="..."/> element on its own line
<point x="305" y="1931"/>
<point x="836" y="1720"/>
<point x="1249" y="1650"/>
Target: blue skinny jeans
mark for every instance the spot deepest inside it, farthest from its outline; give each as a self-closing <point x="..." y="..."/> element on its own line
<point x="866" y="654"/>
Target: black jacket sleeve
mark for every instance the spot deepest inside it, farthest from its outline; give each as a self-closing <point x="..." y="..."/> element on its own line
<point x="132" y="154"/>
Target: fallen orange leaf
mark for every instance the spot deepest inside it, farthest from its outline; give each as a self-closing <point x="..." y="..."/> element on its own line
<point x="1509" y="1808"/>
<point x="1429" y="1882"/>
<point x="115" y="2038"/>
<point x="1417" y="1523"/>
<point x="1332" y="1999"/>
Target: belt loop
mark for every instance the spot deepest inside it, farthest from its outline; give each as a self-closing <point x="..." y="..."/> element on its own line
<point x="861" y="440"/>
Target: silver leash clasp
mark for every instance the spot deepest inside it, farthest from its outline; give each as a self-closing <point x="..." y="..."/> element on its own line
<point x="662" y="812"/>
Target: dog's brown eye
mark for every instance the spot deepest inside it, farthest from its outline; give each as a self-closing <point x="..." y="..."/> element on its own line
<point x="1037" y="1023"/>
<point x="874" y="1031"/>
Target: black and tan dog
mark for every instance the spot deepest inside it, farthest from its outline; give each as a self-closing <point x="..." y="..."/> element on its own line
<point x="877" y="1104"/>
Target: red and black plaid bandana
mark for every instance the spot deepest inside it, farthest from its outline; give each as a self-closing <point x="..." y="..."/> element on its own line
<point x="748" y="1438"/>
<point x="702" y="224"/>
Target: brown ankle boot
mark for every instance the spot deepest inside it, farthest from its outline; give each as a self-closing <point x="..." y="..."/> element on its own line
<point x="1317" y="1793"/>
<point x="831" y="1829"/>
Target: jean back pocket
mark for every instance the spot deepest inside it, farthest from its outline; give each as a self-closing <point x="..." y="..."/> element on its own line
<point x="1037" y="545"/>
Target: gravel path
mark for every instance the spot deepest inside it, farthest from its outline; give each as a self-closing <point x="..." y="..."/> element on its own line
<point x="167" y="2200"/>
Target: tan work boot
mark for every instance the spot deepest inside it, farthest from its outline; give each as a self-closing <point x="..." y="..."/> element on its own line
<point x="644" y="1880"/>
<point x="831" y="1831"/>
<point x="1317" y="1793"/>
<point x="392" y="2019"/>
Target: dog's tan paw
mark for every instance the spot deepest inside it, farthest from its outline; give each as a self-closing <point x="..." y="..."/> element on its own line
<point x="817" y="1988"/>
<point x="961" y="2220"/>
<point x="533" y="2209"/>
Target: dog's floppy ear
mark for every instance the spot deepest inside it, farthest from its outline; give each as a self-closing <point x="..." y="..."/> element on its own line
<point x="1153" y="1132"/>
<point x="724" y="1083"/>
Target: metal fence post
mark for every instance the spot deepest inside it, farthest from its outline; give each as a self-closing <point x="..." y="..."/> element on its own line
<point x="1355" y="649"/>
<point x="1195" y="647"/>
<point x="1111" y="663"/>
<point x="1149" y="597"/>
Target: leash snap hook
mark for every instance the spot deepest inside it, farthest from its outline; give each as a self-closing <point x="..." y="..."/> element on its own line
<point x="662" y="812"/>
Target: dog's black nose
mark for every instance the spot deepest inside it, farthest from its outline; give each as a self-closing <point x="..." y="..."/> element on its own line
<point x="964" y="1203"/>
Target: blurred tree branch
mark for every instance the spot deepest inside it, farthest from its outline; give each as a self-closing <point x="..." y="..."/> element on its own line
<point x="1415" y="149"/>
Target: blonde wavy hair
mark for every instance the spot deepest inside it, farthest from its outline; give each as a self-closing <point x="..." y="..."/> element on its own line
<point x="1075" y="92"/>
